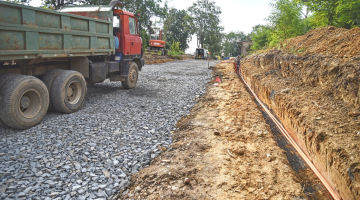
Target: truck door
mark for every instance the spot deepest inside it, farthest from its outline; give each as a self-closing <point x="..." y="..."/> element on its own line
<point x="134" y="38"/>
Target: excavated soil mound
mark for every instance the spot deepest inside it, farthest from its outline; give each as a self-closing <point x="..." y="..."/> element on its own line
<point x="329" y="41"/>
<point x="312" y="85"/>
<point x="152" y="58"/>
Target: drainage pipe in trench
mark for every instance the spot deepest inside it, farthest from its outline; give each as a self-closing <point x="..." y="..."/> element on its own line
<point x="332" y="192"/>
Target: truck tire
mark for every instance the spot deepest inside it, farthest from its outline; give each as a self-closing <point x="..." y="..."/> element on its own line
<point x="132" y="77"/>
<point x="24" y="103"/>
<point x="68" y="91"/>
<point x="3" y="79"/>
<point x="48" y="80"/>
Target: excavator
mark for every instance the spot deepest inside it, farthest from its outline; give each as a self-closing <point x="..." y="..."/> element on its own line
<point x="156" y="44"/>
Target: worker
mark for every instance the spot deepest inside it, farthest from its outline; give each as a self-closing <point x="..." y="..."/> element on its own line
<point x="222" y="56"/>
<point x="238" y="59"/>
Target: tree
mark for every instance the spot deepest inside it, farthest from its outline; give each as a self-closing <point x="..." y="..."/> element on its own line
<point x="145" y="8"/>
<point x="204" y="22"/>
<point x="339" y="13"/>
<point x="230" y="46"/>
<point x="260" y="37"/>
<point x="324" y="12"/>
<point x="56" y="4"/>
<point x="174" y="29"/>
<point x="348" y="13"/>
<point x="26" y="2"/>
<point x="286" y="19"/>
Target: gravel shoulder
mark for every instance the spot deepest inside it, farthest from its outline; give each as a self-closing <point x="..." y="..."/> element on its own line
<point x="92" y="153"/>
<point x="223" y="150"/>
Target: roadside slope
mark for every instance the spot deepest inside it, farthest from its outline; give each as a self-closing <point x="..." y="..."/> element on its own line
<point x="312" y="85"/>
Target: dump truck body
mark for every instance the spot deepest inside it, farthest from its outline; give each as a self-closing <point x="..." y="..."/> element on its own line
<point x="80" y="44"/>
<point x="28" y="33"/>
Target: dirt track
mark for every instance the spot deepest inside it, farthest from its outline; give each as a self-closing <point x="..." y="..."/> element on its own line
<point x="223" y="150"/>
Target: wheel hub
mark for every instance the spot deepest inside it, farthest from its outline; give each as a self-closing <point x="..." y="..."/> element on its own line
<point x="132" y="76"/>
<point x="73" y="93"/>
<point x="30" y="104"/>
<point x="25" y="101"/>
<point x="69" y="92"/>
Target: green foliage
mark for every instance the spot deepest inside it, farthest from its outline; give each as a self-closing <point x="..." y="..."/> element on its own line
<point x="291" y="18"/>
<point x="147" y="9"/>
<point x="174" y="29"/>
<point x="145" y="38"/>
<point x="286" y="19"/>
<point x="348" y="13"/>
<point x="260" y="36"/>
<point x="230" y="46"/>
<point x="339" y="13"/>
<point x="26" y="2"/>
<point x="205" y="23"/>
<point x="285" y="22"/>
<point x="175" y="49"/>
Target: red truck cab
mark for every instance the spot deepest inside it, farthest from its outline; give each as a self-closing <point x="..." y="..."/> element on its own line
<point x="125" y="27"/>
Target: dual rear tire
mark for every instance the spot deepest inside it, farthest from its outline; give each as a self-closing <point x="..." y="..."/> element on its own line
<point x="68" y="91"/>
<point x="24" y="100"/>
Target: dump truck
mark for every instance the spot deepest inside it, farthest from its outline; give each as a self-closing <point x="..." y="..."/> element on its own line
<point x="47" y="58"/>
<point x="156" y="43"/>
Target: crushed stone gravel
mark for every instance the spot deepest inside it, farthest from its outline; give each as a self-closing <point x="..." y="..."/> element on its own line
<point x="91" y="154"/>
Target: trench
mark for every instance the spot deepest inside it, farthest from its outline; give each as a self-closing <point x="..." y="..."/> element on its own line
<point x="311" y="184"/>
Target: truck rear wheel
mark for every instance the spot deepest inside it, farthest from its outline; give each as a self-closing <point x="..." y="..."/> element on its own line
<point x="68" y="91"/>
<point x="132" y="77"/>
<point x="3" y="79"/>
<point x="48" y="80"/>
<point x="24" y="102"/>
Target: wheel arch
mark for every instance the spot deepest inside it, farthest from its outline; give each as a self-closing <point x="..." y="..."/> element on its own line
<point x="138" y="63"/>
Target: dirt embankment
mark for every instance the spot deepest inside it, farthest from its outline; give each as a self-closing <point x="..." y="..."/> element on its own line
<point x="153" y="58"/>
<point x="312" y="85"/>
<point x="223" y="150"/>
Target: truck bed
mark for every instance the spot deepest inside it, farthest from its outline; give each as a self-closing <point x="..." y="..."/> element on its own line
<point x="29" y="32"/>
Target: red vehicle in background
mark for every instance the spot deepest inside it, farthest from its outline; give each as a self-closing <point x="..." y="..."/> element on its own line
<point x="157" y="44"/>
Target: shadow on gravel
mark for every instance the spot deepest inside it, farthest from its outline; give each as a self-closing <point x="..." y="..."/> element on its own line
<point x="142" y="92"/>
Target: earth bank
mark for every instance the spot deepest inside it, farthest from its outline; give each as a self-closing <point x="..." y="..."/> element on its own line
<point x="311" y="84"/>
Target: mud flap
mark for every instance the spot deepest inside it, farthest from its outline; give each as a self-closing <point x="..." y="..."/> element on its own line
<point x="124" y="67"/>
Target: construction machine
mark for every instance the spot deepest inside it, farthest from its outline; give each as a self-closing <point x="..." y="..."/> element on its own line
<point x="156" y="43"/>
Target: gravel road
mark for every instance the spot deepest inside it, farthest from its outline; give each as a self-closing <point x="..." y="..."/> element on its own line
<point x="92" y="153"/>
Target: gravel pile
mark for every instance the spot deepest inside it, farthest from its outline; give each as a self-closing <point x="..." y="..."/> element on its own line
<point x="92" y="153"/>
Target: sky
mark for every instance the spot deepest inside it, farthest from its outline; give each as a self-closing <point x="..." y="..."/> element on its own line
<point x="237" y="15"/>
